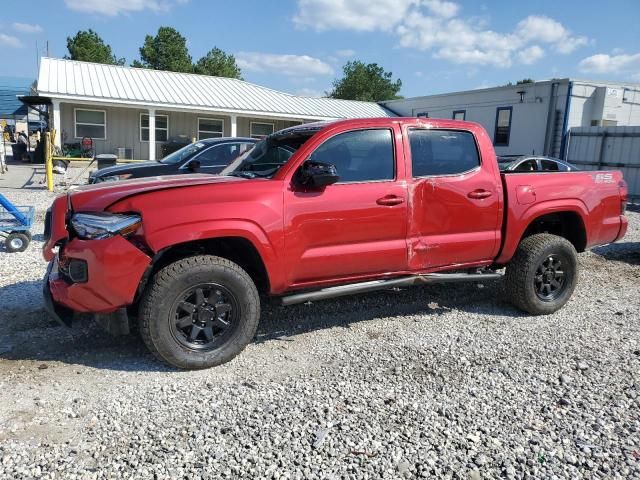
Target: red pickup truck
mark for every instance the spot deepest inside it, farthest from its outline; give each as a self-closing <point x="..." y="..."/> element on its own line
<point x="317" y="211"/>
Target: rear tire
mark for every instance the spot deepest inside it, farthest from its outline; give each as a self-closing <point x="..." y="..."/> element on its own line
<point x="17" y="242"/>
<point x="542" y="275"/>
<point x="199" y="312"/>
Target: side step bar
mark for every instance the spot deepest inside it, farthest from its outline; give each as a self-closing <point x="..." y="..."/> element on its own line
<point x="371" y="286"/>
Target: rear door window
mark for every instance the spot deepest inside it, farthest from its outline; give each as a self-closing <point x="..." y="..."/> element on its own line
<point x="442" y="152"/>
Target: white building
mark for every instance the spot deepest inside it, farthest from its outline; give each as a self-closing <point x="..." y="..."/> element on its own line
<point x="135" y="110"/>
<point x="532" y="117"/>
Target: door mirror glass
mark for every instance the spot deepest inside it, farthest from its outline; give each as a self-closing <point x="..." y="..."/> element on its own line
<point x="314" y="174"/>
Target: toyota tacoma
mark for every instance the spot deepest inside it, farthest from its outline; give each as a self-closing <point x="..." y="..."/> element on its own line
<point x="318" y="211"/>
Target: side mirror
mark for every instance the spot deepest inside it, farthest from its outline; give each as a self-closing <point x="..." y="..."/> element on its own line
<point x="194" y="165"/>
<point x="314" y="174"/>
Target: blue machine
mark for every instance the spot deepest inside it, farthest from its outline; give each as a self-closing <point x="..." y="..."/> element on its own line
<point x="15" y="222"/>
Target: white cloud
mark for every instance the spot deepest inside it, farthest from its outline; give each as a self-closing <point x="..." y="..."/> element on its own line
<point x="464" y="41"/>
<point x="347" y="52"/>
<point x="359" y="15"/>
<point x="611" y="64"/>
<point x="530" y="54"/>
<point x="9" y="41"/>
<point x="26" y="27"/>
<point x="294" y="65"/>
<point x="442" y="8"/>
<point x="436" y="26"/>
<point x="539" y="28"/>
<point x="115" y="7"/>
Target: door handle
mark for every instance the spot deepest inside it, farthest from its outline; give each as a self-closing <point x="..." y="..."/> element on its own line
<point x="390" y="200"/>
<point x="479" y="194"/>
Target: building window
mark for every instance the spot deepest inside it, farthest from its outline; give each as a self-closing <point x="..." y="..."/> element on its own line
<point x="422" y="114"/>
<point x="459" y="114"/>
<point x="261" y="130"/>
<point x="503" y="126"/>
<point x="90" y="123"/>
<point x="210" y="128"/>
<point x="162" y="127"/>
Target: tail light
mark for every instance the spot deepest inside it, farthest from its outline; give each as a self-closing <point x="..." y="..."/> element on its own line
<point x="624" y="196"/>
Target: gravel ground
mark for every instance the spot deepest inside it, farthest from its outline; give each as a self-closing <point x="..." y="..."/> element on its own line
<point x="434" y="382"/>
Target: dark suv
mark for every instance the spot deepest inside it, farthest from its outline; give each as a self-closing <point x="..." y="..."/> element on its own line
<point x="205" y="156"/>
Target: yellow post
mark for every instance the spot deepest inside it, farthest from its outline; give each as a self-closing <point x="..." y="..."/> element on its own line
<point x="48" y="162"/>
<point x="193" y="139"/>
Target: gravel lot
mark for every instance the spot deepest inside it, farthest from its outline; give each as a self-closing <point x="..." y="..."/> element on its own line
<point x="434" y="382"/>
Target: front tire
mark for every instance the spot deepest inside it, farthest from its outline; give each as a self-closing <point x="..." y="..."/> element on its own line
<point x="199" y="312"/>
<point x="542" y="274"/>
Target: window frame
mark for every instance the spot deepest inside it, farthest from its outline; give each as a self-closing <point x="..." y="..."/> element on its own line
<point x="147" y="128"/>
<point x="354" y="182"/>
<point x="75" y="122"/>
<point x="251" y="124"/>
<point x="463" y="112"/>
<point x="221" y="120"/>
<point x="475" y="142"/>
<point x="495" y="130"/>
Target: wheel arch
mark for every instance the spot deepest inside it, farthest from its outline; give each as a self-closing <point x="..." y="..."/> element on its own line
<point x="567" y="224"/>
<point x="237" y="249"/>
<point x="565" y="219"/>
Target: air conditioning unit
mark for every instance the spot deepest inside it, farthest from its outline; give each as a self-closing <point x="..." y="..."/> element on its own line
<point x="124" y="153"/>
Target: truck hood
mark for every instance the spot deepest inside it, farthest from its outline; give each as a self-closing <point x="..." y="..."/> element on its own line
<point x="98" y="197"/>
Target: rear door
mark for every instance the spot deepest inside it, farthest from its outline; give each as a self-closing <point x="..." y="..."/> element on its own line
<point x="456" y="201"/>
<point x="353" y="228"/>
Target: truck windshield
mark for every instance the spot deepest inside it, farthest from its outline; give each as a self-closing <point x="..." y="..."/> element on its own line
<point x="266" y="158"/>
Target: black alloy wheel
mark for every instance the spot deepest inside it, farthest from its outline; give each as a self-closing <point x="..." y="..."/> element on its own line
<point x="549" y="279"/>
<point x="542" y="274"/>
<point x="204" y="316"/>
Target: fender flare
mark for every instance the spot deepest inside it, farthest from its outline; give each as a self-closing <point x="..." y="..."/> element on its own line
<point x="162" y="240"/>
<point x="516" y="227"/>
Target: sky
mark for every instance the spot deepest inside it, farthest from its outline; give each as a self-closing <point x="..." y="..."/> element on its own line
<point x="300" y="46"/>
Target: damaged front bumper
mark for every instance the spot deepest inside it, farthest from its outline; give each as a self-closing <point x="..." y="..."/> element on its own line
<point x="113" y="269"/>
<point x="60" y="313"/>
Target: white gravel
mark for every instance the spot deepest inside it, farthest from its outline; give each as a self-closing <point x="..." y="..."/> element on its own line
<point x="436" y="382"/>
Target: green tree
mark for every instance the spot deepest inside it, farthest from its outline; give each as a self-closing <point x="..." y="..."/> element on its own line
<point x="87" y="46"/>
<point x="525" y="80"/>
<point x="166" y="51"/>
<point x="367" y="82"/>
<point x="217" y="63"/>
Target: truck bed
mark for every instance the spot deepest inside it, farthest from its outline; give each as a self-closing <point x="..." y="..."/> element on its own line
<point x="593" y="198"/>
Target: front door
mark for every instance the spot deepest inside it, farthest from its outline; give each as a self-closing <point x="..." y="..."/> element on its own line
<point x="356" y="227"/>
<point x="455" y="219"/>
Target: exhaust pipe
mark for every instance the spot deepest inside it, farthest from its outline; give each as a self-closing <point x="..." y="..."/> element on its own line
<point x="374" y="285"/>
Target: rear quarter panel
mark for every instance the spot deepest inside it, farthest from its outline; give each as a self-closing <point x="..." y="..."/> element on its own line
<point x="593" y="195"/>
